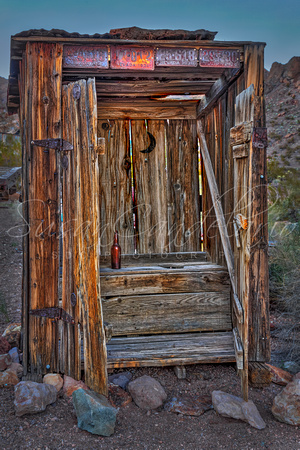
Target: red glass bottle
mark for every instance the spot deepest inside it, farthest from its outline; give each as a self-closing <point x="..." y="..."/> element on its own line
<point x="116" y="253"/>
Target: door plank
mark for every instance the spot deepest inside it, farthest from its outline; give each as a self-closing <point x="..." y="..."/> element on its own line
<point x="150" y="187"/>
<point x="183" y="186"/>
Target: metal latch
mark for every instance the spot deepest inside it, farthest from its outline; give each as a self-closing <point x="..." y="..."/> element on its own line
<point x="54" y="313"/>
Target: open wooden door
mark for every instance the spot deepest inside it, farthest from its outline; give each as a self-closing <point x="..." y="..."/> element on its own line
<point x="249" y="219"/>
<point x="81" y="238"/>
<point x="250" y="223"/>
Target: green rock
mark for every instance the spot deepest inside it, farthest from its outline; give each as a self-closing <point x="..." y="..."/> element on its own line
<point x="94" y="412"/>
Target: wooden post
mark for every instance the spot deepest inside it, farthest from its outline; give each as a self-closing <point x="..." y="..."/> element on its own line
<point x="259" y="328"/>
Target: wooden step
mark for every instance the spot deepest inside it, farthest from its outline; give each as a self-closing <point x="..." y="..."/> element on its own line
<point x="158" y="280"/>
<point x="168" y="313"/>
<point x="170" y="350"/>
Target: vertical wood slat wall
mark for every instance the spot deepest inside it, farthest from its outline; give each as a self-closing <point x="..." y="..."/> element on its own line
<point x="115" y="186"/>
<point x="166" y="186"/>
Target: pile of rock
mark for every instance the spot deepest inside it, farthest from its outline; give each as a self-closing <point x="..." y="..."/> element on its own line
<point x="10" y="368"/>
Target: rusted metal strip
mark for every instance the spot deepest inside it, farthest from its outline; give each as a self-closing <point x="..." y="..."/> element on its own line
<point x="54" y="313"/>
<point x="57" y="144"/>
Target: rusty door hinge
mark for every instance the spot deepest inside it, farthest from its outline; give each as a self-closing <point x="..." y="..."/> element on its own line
<point x="57" y="144"/>
<point x="54" y="313"/>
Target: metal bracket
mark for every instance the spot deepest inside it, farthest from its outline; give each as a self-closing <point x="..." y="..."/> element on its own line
<point x="54" y="313"/>
<point x="260" y="137"/>
<point x="57" y="144"/>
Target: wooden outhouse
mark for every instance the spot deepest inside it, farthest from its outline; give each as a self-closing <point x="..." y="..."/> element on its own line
<point x="161" y="135"/>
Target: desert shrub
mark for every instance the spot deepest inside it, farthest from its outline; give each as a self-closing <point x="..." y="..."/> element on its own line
<point x="10" y="153"/>
<point x="3" y="309"/>
<point x="284" y="269"/>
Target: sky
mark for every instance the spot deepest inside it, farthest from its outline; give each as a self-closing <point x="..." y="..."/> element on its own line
<point x="275" y="22"/>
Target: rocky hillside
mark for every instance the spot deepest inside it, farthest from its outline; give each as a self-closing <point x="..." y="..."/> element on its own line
<point x="282" y="93"/>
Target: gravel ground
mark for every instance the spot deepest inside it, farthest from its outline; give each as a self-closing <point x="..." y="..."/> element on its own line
<point x="56" y="428"/>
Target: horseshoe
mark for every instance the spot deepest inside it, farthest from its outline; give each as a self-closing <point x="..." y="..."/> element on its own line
<point x="152" y="144"/>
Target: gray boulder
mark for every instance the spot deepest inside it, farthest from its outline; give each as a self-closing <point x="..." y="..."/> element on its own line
<point x="14" y="354"/>
<point x="32" y="398"/>
<point x="147" y="393"/>
<point x="286" y="405"/>
<point x="228" y="405"/>
<point x="291" y="366"/>
<point x="94" y="412"/>
<point x="120" y="379"/>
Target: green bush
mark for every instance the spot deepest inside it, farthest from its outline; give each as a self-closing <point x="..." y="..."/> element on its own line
<point x="10" y="153"/>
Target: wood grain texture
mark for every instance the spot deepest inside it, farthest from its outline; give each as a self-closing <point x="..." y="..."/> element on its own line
<point x="183" y="186"/>
<point x="146" y="109"/>
<point x="168" y="313"/>
<point x="167" y="259"/>
<point x="70" y="337"/>
<point x="242" y="205"/>
<point x="206" y="279"/>
<point x="86" y="232"/>
<point x="259" y="329"/>
<point x="241" y="133"/>
<point x="42" y="112"/>
<point x="170" y="350"/>
<point x="115" y="186"/>
<point x="143" y="88"/>
<point x="150" y="187"/>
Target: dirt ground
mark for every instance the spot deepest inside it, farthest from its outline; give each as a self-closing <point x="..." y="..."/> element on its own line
<point x="56" y="428"/>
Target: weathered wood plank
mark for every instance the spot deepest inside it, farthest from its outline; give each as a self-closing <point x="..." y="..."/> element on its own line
<point x="136" y="88"/>
<point x="171" y="350"/>
<point x="259" y="329"/>
<point x="216" y="91"/>
<point x="158" y="259"/>
<point x="70" y="345"/>
<point x="151" y="109"/>
<point x="25" y="132"/>
<point x="115" y="186"/>
<point x="86" y="239"/>
<point x="150" y="187"/>
<point x="183" y="186"/>
<point x="241" y="133"/>
<point x="238" y="348"/>
<point x="240" y="151"/>
<point x="169" y="283"/>
<point x="242" y="187"/>
<point x="159" y="268"/>
<point x="43" y="115"/>
<point x="149" y="314"/>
